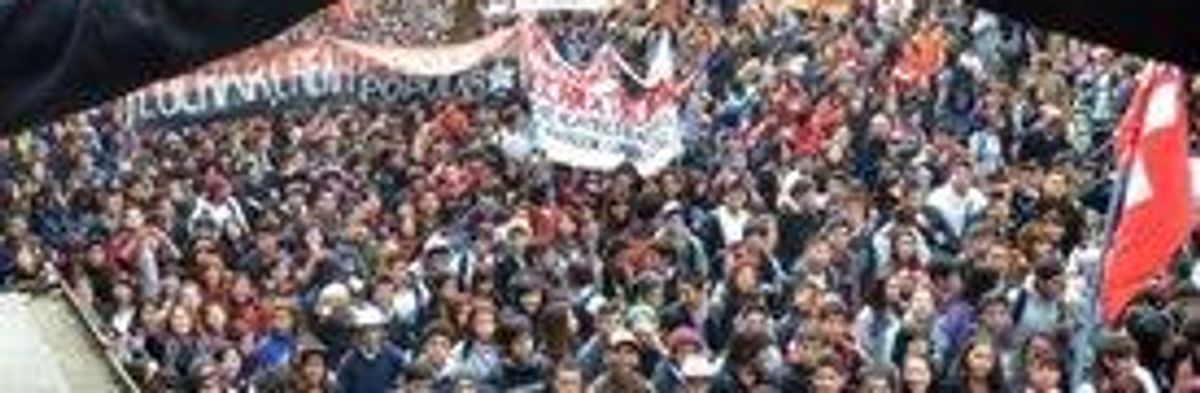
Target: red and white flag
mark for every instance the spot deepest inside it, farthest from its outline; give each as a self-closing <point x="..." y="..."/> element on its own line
<point x="1154" y="216"/>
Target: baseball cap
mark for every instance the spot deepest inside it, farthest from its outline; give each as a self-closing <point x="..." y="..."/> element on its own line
<point x="698" y="366"/>
<point x="622" y="337"/>
<point x="369" y="315"/>
<point x="684" y="336"/>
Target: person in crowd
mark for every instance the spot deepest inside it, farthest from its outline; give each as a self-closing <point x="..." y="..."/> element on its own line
<point x="374" y="365"/>
<point x="622" y="363"/>
<point x="918" y="375"/>
<point x="567" y="379"/>
<point x="1119" y="369"/>
<point x="521" y="368"/>
<point x="978" y="369"/>
<point x="683" y="344"/>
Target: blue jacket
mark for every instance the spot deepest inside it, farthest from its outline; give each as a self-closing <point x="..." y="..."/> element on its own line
<point x="360" y="373"/>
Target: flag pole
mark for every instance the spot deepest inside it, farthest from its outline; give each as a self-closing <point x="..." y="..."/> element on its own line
<point x="1094" y="273"/>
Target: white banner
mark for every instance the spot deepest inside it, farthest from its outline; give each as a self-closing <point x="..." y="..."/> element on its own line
<point x="587" y="120"/>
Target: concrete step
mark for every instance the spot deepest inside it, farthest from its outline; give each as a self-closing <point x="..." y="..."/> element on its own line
<point x="45" y="347"/>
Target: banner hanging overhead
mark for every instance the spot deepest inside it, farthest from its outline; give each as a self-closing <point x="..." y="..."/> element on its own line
<point x="329" y="70"/>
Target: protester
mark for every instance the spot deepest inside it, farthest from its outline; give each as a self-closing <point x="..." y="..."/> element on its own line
<point x="897" y="197"/>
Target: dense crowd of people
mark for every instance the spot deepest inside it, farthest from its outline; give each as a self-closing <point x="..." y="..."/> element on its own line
<point x="906" y="198"/>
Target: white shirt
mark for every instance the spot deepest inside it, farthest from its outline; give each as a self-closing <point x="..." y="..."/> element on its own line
<point x="987" y="151"/>
<point x="227" y="213"/>
<point x="732" y="223"/>
<point x="957" y="210"/>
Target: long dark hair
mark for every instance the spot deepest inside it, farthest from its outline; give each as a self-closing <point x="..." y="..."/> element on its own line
<point x="554" y="331"/>
<point x="961" y="373"/>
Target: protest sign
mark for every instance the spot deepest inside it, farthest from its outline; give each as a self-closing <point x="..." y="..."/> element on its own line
<point x="585" y="119"/>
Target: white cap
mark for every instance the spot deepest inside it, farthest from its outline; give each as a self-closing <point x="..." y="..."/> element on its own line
<point x="369" y="315"/>
<point x="698" y="366"/>
<point x="622" y="336"/>
<point x="332" y="296"/>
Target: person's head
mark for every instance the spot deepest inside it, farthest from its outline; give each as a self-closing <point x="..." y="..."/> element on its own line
<point x="1049" y="279"/>
<point x="243" y="289"/>
<point x="515" y="337"/>
<point x="905" y="250"/>
<point x="735" y="197"/>
<point x="833" y="320"/>
<point x="684" y="342"/>
<point x="818" y="256"/>
<point x="961" y="177"/>
<point x="419" y="376"/>
<point x="994" y="314"/>
<point x="215" y="318"/>
<point x="608" y="318"/>
<point x="981" y="363"/>
<point x="692" y="289"/>
<point x="482" y="321"/>
<point x="805" y="349"/>
<point x="181" y="321"/>
<point x="312" y="368"/>
<point x="230" y="363"/>
<point x="698" y="372"/>
<point x="917" y="374"/>
<point x="123" y="293"/>
<point x="745" y="278"/>
<point x="829" y="376"/>
<point x="531" y="297"/>
<point x="1044" y="373"/>
<point x="567" y="379"/>
<point x="369" y="323"/>
<point x="1118" y="356"/>
<point x="877" y="378"/>
<point x="437" y="344"/>
<point x="754" y="317"/>
<point x="1055" y="185"/>
<point x="282" y="319"/>
<point x="622" y="353"/>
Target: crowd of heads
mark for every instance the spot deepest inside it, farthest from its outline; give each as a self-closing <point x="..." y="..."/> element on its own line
<point x="908" y="197"/>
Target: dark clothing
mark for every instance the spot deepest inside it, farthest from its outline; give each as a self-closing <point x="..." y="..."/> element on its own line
<point x="360" y="373"/>
<point x="1042" y="148"/>
<point x="61" y="56"/>
<point x="528" y="376"/>
<point x="676" y="315"/>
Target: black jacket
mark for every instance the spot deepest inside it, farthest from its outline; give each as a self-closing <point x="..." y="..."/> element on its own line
<point x="60" y="56"/>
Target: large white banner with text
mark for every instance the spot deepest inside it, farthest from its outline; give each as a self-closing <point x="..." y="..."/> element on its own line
<point x="586" y="119"/>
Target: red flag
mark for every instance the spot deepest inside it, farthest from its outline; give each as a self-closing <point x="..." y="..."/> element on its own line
<point x="1154" y="213"/>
